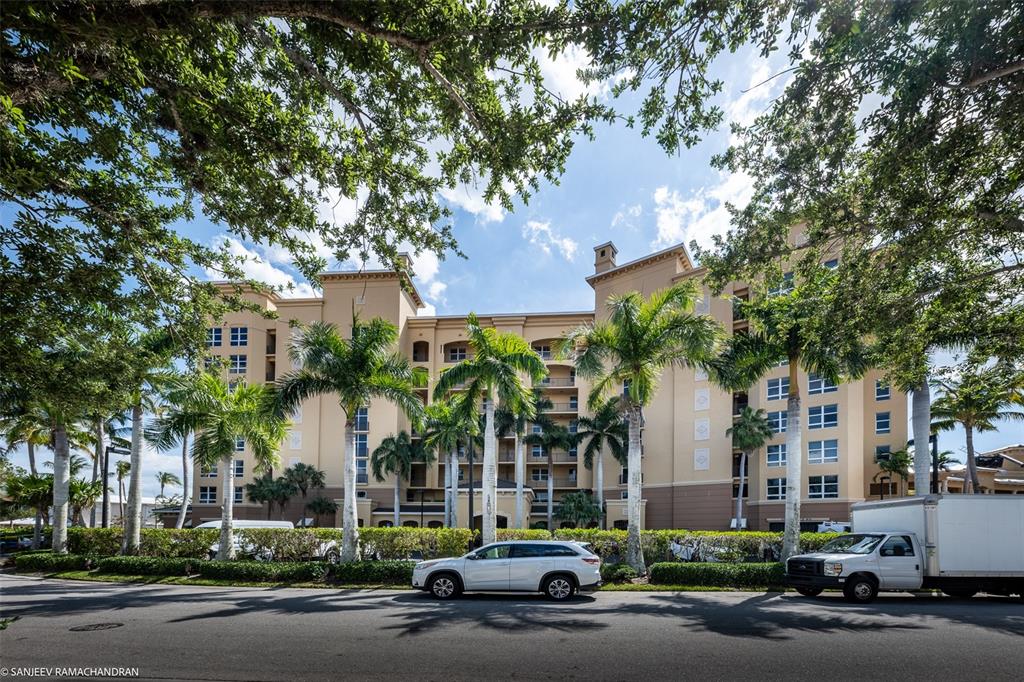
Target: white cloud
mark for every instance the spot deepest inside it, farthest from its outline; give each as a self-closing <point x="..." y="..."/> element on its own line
<point x="560" y="73"/>
<point x="258" y="267"/>
<point x="627" y="215"/>
<point x="471" y="199"/>
<point x="702" y="215"/>
<point x="540" y="234"/>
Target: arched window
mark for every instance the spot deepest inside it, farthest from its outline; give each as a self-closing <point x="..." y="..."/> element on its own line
<point x="411" y="524"/>
<point x="420" y="351"/>
<point x="385" y="524"/>
<point x="435" y="524"/>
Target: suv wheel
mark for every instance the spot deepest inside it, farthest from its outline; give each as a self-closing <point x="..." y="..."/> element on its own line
<point x="860" y="590"/>
<point x="558" y="587"/>
<point x="444" y="586"/>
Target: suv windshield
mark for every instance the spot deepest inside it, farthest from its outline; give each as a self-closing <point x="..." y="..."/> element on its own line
<point x="852" y="544"/>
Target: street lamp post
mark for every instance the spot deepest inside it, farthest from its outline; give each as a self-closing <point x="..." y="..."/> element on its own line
<point x="107" y="451"/>
<point x="884" y="482"/>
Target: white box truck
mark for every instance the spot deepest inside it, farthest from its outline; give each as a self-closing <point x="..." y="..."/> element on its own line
<point x="960" y="544"/>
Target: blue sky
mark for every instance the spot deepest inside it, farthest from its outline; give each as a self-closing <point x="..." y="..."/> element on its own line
<point x="620" y="187"/>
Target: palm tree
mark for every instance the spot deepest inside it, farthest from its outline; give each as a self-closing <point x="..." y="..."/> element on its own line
<point x="631" y="348"/>
<point x="897" y="465"/>
<point x="178" y="420"/>
<point x="262" y="491"/>
<point x="165" y="478"/>
<point x="36" y="492"/>
<point x="787" y="328"/>
<point x="550" y="437"/>
<point x="153" y="350"/>
<point x="749" y="432"/>
<point x="319" y="506"/>
<point x="123" y="470"/>
<point x="449" y="425"/>
<point x="976" y="400"/>
<point x="279" y="491"/>
<point x="605" y="426"/>
<point x="395" y="455"/>
<point x="493" y="372"/>
<point x="305" y="476"/>
<point x="581" y="508"/>
<point x="222" y="415"/>
<point x="82" y="494"/>
<point x="509" y="422"/>
<point x="29" y="427"/>
<point x="357" y="370"/>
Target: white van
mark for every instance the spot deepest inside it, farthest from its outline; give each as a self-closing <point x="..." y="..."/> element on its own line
<point x="246" y="523"/>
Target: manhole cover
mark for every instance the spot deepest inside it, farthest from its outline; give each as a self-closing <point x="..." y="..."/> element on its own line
<point x="95" y="626"/>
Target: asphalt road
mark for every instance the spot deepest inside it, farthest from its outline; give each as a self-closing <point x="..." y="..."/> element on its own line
<point x="206" y="633"/>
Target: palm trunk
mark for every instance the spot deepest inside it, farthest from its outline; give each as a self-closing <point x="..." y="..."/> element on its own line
<point x="520" y="476"/>
<point x="599" y="487"/>
<point x="398" y="501"/>
<point x="447" y="489"/>
<point x="489" y="485"/>
<point x="106" y="491"/>
<point x="31" y="456"/>
<point x="37" y="533"/>
<point x="634" y="550"/>
<point x="794" y="458"/>
<point x="133" y="525"/>
<point x="920" y="423"/>
<point x="454" y="459"/>
<point x="61" y="479"/>
<point x="183" y="512"/>
<point x="120" y="501"/>
<point x="97" y="466"/>
<point x="349" y="523"/>
<point x="972" y="467"/>
<point x="739" y="495"/>
<point x="226" y="551"/>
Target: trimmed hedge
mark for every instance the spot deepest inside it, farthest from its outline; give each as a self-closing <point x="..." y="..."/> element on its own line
<point x="717" y="575"/>
<point x="45" y="562"/>
<point x="261" y="571"/>
<point x="523" y="534"/>
<point x="143" y="565"/>
<point x="154" y="542"/>
<point x="373" y="572"/>
<point x="617" y="573"/>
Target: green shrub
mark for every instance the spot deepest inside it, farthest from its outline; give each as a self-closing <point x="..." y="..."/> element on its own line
<point x="402" y="543"/>
<point x="617" y="573"/>
<point x="40" y="562"/>
<point x="98" y="541"/>
<point x="154" y="542"/>
<point x="505" y="534"/>
<point x="373" y="572"/>
<point x="283" y="544"/>
<point x="263" y="571"/>
<point x="717" y="574"/>
<point x="144" y="565"/>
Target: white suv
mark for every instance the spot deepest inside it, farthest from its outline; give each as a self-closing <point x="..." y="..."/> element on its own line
<point x="558" y="569"/>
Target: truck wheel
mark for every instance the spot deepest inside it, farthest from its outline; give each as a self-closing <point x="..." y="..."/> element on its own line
<point x="860" y="590"/>
<point x="809" y="591"/>
<point x="961" y="593"/>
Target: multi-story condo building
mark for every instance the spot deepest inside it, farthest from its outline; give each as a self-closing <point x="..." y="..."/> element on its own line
<point x="690" y="472"/>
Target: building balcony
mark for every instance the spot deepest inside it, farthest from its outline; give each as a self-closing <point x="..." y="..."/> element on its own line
<point x="556" y="382"/>
<point x="570" y="407"/>
<point x="557" y="457"/>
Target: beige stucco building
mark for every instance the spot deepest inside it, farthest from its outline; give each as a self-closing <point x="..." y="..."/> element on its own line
<point x="690" y="470"/>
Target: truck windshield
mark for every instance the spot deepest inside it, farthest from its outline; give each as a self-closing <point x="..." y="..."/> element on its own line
<point x="853" y="544"/>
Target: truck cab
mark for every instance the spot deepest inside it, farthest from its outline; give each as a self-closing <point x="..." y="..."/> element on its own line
<point x="860" y="564"/>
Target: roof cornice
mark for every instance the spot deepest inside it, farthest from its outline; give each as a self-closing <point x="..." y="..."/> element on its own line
<point x="677" y="251"/>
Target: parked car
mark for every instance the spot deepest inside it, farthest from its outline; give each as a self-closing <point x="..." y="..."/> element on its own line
<point x="558" y="569"/>
<point x="960" y="544"/>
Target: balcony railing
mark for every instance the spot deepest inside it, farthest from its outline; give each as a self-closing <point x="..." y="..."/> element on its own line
<point x="557" y="382"/>
<point x="565" y="482"/>
<point x="564" y="407"/>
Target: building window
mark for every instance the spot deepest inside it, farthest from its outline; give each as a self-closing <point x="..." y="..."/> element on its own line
<point x="823" y="417"/>
<point x="785" y="287"/>
<point x="778" y="388"/>
<point x="536" y="428"/>
<point x="539" y="474"/>
<point x="537" y="451"/>
<point x="817" y="384"/>
<point x="736" y="490"/>
<point x="776" y="455"/>
<point x="239" y="444"/>
<point x="238" y="364"/>
<point x="776" y="489"/>
<point x="823" y="451"/>
<point x="238" y="494"/>
<point x="239" y="468"/>
<point x="208" y="472"/>
<point x="207" y="494"/>
<point x="625" y="388"/>
<point x="295" y="440"/>
<point x="572" y="452"/>
<point x="239" y="336"/>
<point x="543" y="351"/>
<point x="882" y="453"/>
<point x="574" y="402"/>
<point x="296" y="415"/>
<point x="882" y="390"/>
<point x="363" y="419"/>
<point x="623" y="494"/>
<point x="777" y="420"/>
<point x="213" y="337"/>
<point x="882" y="422"/>
<point x="462" y="474"/>
<point x="572" y="474"/>
<point x="574" y="426"/>
<point x="456" y="353"/>
<point x="823" y="487"/>
<point x="361" y="446"/>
